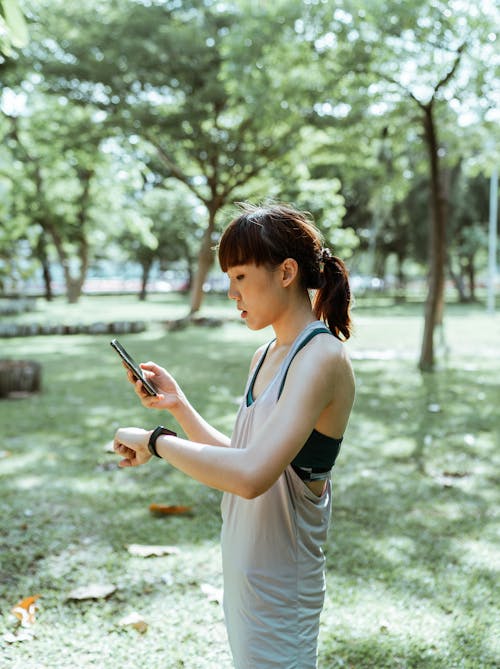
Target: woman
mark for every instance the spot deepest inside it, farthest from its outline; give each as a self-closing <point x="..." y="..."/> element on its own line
<point x="275" y="469"/>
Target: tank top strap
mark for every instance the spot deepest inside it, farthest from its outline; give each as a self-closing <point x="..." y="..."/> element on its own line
<point x="251" y="378"/>
<point x="308" y="333"/>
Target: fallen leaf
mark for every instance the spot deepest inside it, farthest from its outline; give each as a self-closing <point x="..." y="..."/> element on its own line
<point x="449" y="479"/>
<point x="136" y="621"/>
<point x="169" y="510"/>
<point x="211" y="593"/>
<point x="143" y="550"/>
<point x="25" y="610"/>
<point x="93" y="591"/>
<point x="456" y="475"/>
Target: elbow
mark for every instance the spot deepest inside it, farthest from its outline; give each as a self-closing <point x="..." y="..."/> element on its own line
<point x="250" y="492"/>
<point x="252" y="486"/>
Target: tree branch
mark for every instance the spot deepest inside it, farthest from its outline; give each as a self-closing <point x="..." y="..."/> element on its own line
<point x="452" y="71"/>
<point x="173" y="167"/>
<point x="448" y="76"/>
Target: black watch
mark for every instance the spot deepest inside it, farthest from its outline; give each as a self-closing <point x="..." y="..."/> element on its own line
<point x="154" y="436"/>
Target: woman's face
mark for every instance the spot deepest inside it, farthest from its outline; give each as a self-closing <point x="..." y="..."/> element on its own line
<point x="257" y="292"/>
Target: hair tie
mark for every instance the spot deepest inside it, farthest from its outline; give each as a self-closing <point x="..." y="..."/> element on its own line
<point x="324" y="257"/>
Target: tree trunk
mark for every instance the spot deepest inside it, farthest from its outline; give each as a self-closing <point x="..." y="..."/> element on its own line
<point x="47" y="280"/>
<point x="146" y="270"/>
<point x="205" y="261"/>
<point x="73" y="289"/>
<point x="41" y="254"/>
<point x="437" y="253"/>
<point x="471" y="277"/>
<point x="458" y="282"/>
<point x="401" y="278"/>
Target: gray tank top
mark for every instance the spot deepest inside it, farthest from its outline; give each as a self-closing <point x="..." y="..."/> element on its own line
<point x="272" y="557"/>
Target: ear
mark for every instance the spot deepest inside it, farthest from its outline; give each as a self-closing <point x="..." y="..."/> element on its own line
<point x="289" y="271"/>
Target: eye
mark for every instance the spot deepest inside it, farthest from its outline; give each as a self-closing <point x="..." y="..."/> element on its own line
<point x="239" y="277"/>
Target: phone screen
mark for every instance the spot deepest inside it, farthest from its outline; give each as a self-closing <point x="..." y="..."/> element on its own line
<point x="134" y="367"/>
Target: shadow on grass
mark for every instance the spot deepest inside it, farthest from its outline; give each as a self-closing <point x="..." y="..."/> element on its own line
<point x="414" y="525"/>
<point x="415" y="489"/>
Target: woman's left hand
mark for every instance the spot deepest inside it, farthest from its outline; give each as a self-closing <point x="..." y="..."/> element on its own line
<point x="132" y="444"/>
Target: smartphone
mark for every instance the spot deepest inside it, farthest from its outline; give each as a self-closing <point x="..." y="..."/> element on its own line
<point x="133" y="367"/>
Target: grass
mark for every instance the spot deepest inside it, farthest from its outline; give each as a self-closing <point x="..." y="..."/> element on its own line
<point x="413" y="550"/>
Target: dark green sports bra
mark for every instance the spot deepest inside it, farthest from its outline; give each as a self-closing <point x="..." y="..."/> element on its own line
<point x="316" y="458"/>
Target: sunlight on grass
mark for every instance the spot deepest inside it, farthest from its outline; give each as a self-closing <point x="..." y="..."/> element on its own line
<point x="413" y="549"/>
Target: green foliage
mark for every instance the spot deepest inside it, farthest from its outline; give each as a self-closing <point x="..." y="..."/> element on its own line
<point x="13" y="29"/>
<point x="287" y="100"/>
<point x="403" y="56"/>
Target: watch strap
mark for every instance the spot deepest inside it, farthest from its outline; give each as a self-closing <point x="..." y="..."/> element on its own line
<point x="154" y="436"/>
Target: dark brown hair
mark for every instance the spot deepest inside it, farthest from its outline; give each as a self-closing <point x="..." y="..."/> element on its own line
<point x="267" y="235"/>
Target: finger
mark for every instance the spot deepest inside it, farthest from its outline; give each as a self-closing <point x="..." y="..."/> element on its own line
<point x="122" y="449"/>
<point x="131" y="377"/>
<point x="139" y="388"/>
<point x="151" y="367"/>
<point x="125" y="463"/>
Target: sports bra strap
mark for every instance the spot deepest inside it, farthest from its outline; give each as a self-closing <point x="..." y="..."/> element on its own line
<point x="319" y="330"/>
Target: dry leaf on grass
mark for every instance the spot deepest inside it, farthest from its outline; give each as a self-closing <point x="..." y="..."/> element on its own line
<point x="169" y="510"/>
<point x="136" y="621"/>
<point x="93" y="591"/>
<point x="25" y="610"/>
<point x="143" y="550"/>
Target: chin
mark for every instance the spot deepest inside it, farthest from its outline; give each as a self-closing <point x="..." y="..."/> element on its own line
<point x="252" y="326"/>
<point x="256" y="326"/>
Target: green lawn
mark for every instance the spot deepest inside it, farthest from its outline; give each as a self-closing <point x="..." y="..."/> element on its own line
<point x="413" y="550"/>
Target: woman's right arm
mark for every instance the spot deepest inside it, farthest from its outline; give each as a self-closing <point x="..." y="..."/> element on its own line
<point x="171" y="398"/>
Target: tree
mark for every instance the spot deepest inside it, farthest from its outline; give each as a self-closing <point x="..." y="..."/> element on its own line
<point x="468" y="225"/>
<point x="55" y="151"/>
<point x="206" y="85"/>
<point x="418" y="63"/>
<point x="173" y="218"/>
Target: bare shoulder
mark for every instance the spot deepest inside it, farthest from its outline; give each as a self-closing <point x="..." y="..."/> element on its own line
<point x="330" y="351"/>
<point x="257" y="355"/>
<point x="326" y="357"/>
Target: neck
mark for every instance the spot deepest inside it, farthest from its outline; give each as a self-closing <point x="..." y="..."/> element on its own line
<point x="292" y="321"/>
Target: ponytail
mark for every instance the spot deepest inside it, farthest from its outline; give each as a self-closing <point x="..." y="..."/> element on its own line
<point x="333" y="297"/>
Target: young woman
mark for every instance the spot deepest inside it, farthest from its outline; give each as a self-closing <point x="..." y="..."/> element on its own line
<point x="275" y="469"/>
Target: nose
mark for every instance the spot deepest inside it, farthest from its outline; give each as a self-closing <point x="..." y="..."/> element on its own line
<point x="232" y="293"/>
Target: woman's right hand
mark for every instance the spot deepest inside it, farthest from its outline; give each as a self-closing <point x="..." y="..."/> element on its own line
<point x="170" y="395"/>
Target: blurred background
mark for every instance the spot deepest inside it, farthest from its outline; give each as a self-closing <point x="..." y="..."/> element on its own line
<point x="129" y="129"/>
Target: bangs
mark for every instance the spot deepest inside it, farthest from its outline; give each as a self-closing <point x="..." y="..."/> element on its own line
<point x="243" y="242"/>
